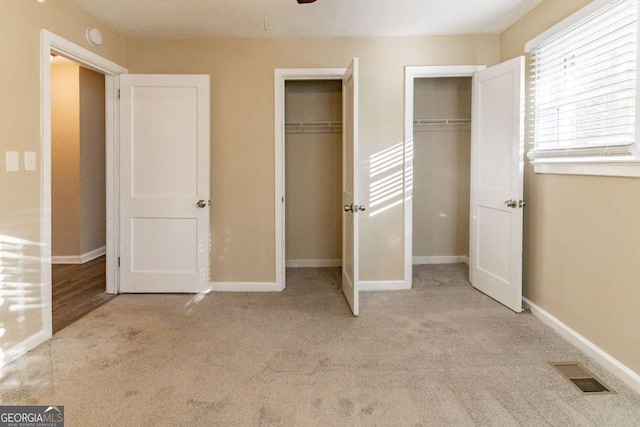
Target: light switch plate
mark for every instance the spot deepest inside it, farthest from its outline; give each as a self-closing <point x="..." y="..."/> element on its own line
<point x="29" y="160"/>
<point x="13" y="161"/>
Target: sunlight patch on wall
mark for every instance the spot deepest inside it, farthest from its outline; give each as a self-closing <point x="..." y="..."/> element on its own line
<point x="387" y="179"/>
<point x="408" y="173"/>
<point x="19" y="294"/>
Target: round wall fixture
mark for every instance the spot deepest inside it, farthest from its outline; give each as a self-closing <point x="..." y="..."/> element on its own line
<point x="94" y="36"/>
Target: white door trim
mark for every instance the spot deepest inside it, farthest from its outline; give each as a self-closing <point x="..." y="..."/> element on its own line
<point x="410" y="74"/>
<point x="49" y="43"/>
<point x="281" y="75"/>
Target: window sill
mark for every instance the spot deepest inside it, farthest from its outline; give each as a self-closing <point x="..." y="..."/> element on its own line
<point x="627" y="166"/>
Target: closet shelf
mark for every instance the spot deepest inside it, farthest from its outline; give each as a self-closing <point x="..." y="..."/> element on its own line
<point x="425" y="125"/>
<point x="442" y="121"/>
<point x="313" y="127"/>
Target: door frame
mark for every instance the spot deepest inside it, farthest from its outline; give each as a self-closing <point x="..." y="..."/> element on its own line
<point x="410" y="74"/>
<point x="52" y="43"/>
<point x="281" y="76"/>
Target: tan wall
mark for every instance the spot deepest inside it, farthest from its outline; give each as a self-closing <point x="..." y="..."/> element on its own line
<point x="242" y="124"/>
<point x="581" y="234"/>
<point x="20" y="24"/>
<point x="313" y="172"/>
<point x="92" y="161"/>
<point x="65" y="160"/>
<point x="441" y="169"/>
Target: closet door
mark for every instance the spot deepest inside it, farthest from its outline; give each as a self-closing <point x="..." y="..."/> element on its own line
<point x="497" y="159"/>
<point x="352" y="210"/>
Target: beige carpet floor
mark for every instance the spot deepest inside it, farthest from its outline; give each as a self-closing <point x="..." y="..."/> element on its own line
<point x="441" y="354"/>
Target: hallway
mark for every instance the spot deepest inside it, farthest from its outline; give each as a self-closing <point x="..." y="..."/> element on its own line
<point x="77" y="290"/>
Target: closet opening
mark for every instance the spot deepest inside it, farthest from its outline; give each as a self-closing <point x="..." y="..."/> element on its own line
<point x="441" y="171"/>
<point x="78" y="191"/>
<point x="313" y="180"/>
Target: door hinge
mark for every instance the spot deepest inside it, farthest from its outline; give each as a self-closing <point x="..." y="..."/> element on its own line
<point x="118" y="261"/>
<point x="118" y="93"/>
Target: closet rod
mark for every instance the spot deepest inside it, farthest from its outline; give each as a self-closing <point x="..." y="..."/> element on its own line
<point x="442" y="121"/>
<point x="313" y="127"/>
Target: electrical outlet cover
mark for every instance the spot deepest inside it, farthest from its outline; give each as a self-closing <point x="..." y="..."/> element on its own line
<point x="29" y="160"/>
<point x="13" y="161"/>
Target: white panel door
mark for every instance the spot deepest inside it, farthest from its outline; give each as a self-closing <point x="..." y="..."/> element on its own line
<point x="497" y="159"/>
<point x="164" y="187"/>
<point x="350" y="187"/>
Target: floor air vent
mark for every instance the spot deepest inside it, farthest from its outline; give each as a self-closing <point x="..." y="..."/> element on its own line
<point x="581" y="378"/>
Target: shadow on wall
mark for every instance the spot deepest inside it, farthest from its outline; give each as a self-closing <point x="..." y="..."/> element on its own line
<point x="387" y="180"/>
<point x="19" y="263"/>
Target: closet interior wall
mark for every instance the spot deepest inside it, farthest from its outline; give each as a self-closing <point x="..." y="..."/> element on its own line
<point x="442" y="162"/>
<point x="313" y="173"/>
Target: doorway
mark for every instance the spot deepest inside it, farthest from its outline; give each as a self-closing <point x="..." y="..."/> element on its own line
<point x="282" y="78"/>
<point x="313" y="173"/>
<point x="496" y="176"/>
<point x="437" y="146"/>
<point x="78" y="191"/>
<point x="53" y="44"/>
<point x="313" y="184"/>
<point x="441" y="170"/>
<point x="351" y="207"/>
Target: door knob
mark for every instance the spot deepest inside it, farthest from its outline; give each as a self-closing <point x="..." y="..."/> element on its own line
<point x="522" y="204"/>
<point x="201" y="204"/>
<point x="511" y="203"/>
<point x="348" y="208"/>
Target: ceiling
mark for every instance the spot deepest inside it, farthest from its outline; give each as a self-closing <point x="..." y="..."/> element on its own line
<point x="286" y="18"/>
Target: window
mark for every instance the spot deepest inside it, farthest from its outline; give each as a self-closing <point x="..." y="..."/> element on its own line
<point x="584" y="92"/>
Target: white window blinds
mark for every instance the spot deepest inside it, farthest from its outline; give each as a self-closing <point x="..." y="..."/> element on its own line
<point x="584" y="82"/>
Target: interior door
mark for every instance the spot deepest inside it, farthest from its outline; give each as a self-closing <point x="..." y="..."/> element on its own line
<point x="497" y="160"/>
<point x="350" y="186"/>
<point x="164" y="186"/>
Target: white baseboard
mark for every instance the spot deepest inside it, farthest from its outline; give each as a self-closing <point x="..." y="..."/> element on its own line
<point x="244" y="287"/>
<point x="297" y="263"/>
<point x="23" y="347"/>
<point x="392" y="285"/>
<point x="420" y="260"/>
<point x="79" y="259"/>
<point x="611" y="364"/>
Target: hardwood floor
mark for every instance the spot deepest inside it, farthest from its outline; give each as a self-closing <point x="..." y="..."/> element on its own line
<point x="77" y="290"/>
